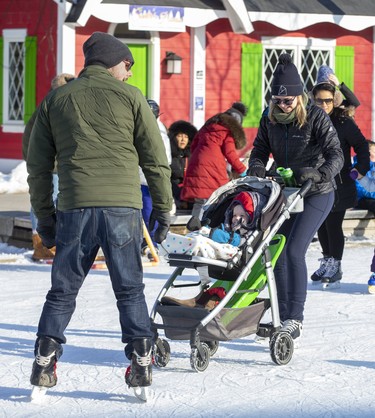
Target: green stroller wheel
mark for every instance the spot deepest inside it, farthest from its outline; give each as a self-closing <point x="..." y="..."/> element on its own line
<point x="281" y="347"/>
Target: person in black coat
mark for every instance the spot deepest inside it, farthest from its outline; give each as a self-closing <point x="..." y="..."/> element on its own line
<point x="330" y="234"/>
<point x="299" y="136"/>
<point x="181" y="134"/>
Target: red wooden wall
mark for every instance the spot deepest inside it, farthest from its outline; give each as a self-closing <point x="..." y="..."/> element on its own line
<point x="40" y="19"/>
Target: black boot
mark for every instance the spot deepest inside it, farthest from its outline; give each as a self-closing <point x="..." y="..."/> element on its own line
<point x="139" y="373"/>
<point x="47" y="352"/>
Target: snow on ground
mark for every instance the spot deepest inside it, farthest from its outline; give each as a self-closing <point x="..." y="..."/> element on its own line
<point x="330" y="375"/>
<point x="15" y="181"/>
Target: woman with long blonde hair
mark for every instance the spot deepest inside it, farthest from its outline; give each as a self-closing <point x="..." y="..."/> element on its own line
<point x="299" y="136"/>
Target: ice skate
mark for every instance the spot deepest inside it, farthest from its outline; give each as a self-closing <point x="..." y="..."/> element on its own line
<point x="332" y="276"/>
<point x="138" y="375"/>
<point x="43" y="375"/>
<point x="371" y="284"/>
<point x="317" y="276"/>
<point x="294" y="328"/>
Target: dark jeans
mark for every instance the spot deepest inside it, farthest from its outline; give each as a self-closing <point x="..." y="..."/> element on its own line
<point x="291" y="269"/>
<point x="80" y="233"/>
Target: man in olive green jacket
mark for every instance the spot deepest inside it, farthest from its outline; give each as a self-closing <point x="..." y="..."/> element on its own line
<point x="99" y="130"/>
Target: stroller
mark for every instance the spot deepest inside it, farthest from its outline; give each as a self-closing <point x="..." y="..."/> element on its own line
<point x="233" y="284"/>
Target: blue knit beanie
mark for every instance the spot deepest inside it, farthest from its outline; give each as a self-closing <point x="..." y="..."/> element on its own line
<point x="323" y="74"/>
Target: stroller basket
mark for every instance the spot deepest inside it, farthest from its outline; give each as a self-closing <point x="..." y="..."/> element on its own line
<point x="229" y="324"/>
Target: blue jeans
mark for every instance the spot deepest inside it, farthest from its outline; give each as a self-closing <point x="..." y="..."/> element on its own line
<point x="80" y="233"/>
<point x="291" y="269"/>
<point x="146" y="212"/>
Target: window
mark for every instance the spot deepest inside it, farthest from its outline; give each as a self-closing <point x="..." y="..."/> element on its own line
<point x="259" y="62"/>
<point x="18" y="79"/>
<point x="308" y="55"/>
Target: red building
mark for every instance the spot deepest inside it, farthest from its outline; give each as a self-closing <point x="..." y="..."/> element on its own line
<point x="227" y="51"/>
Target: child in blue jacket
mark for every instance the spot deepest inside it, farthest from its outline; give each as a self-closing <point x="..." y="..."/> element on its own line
<point x="366" y="200"/>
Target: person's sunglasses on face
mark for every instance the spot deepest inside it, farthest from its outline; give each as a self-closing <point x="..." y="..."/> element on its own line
<point x="288" y="101"/>
<point x="320" y="102"/>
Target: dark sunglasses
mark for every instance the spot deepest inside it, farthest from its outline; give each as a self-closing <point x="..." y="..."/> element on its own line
<point x="321" y="101"/>
<point x="287" y="102"/>
<point x="128" y="65"/>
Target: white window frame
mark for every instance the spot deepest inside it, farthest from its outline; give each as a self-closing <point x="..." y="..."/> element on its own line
<point x="10" y="35"/>
<point x="298" y="45"/>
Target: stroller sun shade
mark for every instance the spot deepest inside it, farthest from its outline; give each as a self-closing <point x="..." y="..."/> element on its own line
<point x="216" y="206"/>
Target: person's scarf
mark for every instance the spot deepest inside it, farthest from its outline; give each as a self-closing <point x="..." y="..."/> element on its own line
<point x="286" y="118"/>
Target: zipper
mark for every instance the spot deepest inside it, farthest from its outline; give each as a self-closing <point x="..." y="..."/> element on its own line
<point x="286" y="146"/>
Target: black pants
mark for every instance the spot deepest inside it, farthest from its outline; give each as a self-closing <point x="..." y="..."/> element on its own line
<point x="331" y="235"/>
<point x="291" y="269"/>
<point x="368" y="204"/>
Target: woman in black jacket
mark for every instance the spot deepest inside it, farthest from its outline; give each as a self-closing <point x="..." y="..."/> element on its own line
<point x="181" y="134"/>
<point x="302" y="138"/>
<point x="330" y="234"/>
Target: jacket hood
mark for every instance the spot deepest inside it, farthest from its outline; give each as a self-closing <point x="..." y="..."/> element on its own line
<point x="233" y="125"/>
<point x="181" y="126"/>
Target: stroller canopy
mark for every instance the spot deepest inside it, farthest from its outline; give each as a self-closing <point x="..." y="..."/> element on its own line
<point x="216" y="206"/>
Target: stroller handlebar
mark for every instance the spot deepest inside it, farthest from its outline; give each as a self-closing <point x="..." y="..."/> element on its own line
<point x="306" y="186"/>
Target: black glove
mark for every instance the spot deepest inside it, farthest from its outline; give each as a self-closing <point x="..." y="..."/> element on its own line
<point x="257" y="169"/>
<point x="164" y="221"/>
<point x="306" y="173"/>
<point x="47" y="230"/>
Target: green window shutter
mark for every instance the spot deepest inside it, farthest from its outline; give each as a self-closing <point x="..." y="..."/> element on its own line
<point x="1" y="79"/>
<point x="30" y="77"/>
<point x="344" y="65"/>
<point x="251" y="82"/>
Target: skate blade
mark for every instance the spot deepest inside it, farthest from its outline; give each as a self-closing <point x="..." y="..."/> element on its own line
<point x="331" y="286"/>
<point x="371" y="290"/>
<point x="141" y="393"/>
<point x="262" y="340"/>
<point x="38" y="394"/>
<point x="316" y="282"/>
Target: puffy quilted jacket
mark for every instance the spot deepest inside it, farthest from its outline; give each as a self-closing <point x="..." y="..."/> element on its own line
<point x="315" y="145"/>
<point x="99" y="129"/>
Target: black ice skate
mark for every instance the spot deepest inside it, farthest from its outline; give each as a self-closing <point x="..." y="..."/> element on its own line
<point x="43" y="375"/>
<point x="138" y="375"/>
<point x="317" y="276"/>
<point x="332" y="276"/>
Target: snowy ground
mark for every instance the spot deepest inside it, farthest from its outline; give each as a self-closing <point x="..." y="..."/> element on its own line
<point x="331" y="375"/>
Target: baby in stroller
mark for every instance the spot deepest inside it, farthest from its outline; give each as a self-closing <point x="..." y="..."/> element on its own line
<point x="224" y="241"/>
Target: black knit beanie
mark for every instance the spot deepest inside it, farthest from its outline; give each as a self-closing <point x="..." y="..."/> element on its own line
<point x="286" y="80"/>
<point x="105" y="50"/>
<point x="238" y="111"/>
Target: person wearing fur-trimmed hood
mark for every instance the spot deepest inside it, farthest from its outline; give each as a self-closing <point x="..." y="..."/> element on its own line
<point x="181" y="134"/>
<point x="215" y="144"/>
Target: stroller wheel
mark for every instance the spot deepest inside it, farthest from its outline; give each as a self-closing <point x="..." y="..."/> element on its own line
<point x="281" y="347"/>
<point x="213" y="346"/>
<point x="200" y="363"/>
<point x="162" y="352"/>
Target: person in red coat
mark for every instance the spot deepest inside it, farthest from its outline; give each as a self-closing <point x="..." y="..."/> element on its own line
<point x="215" y="145"/>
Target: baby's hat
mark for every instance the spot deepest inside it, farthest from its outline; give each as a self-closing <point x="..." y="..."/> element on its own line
<point x="246" y="200"/>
